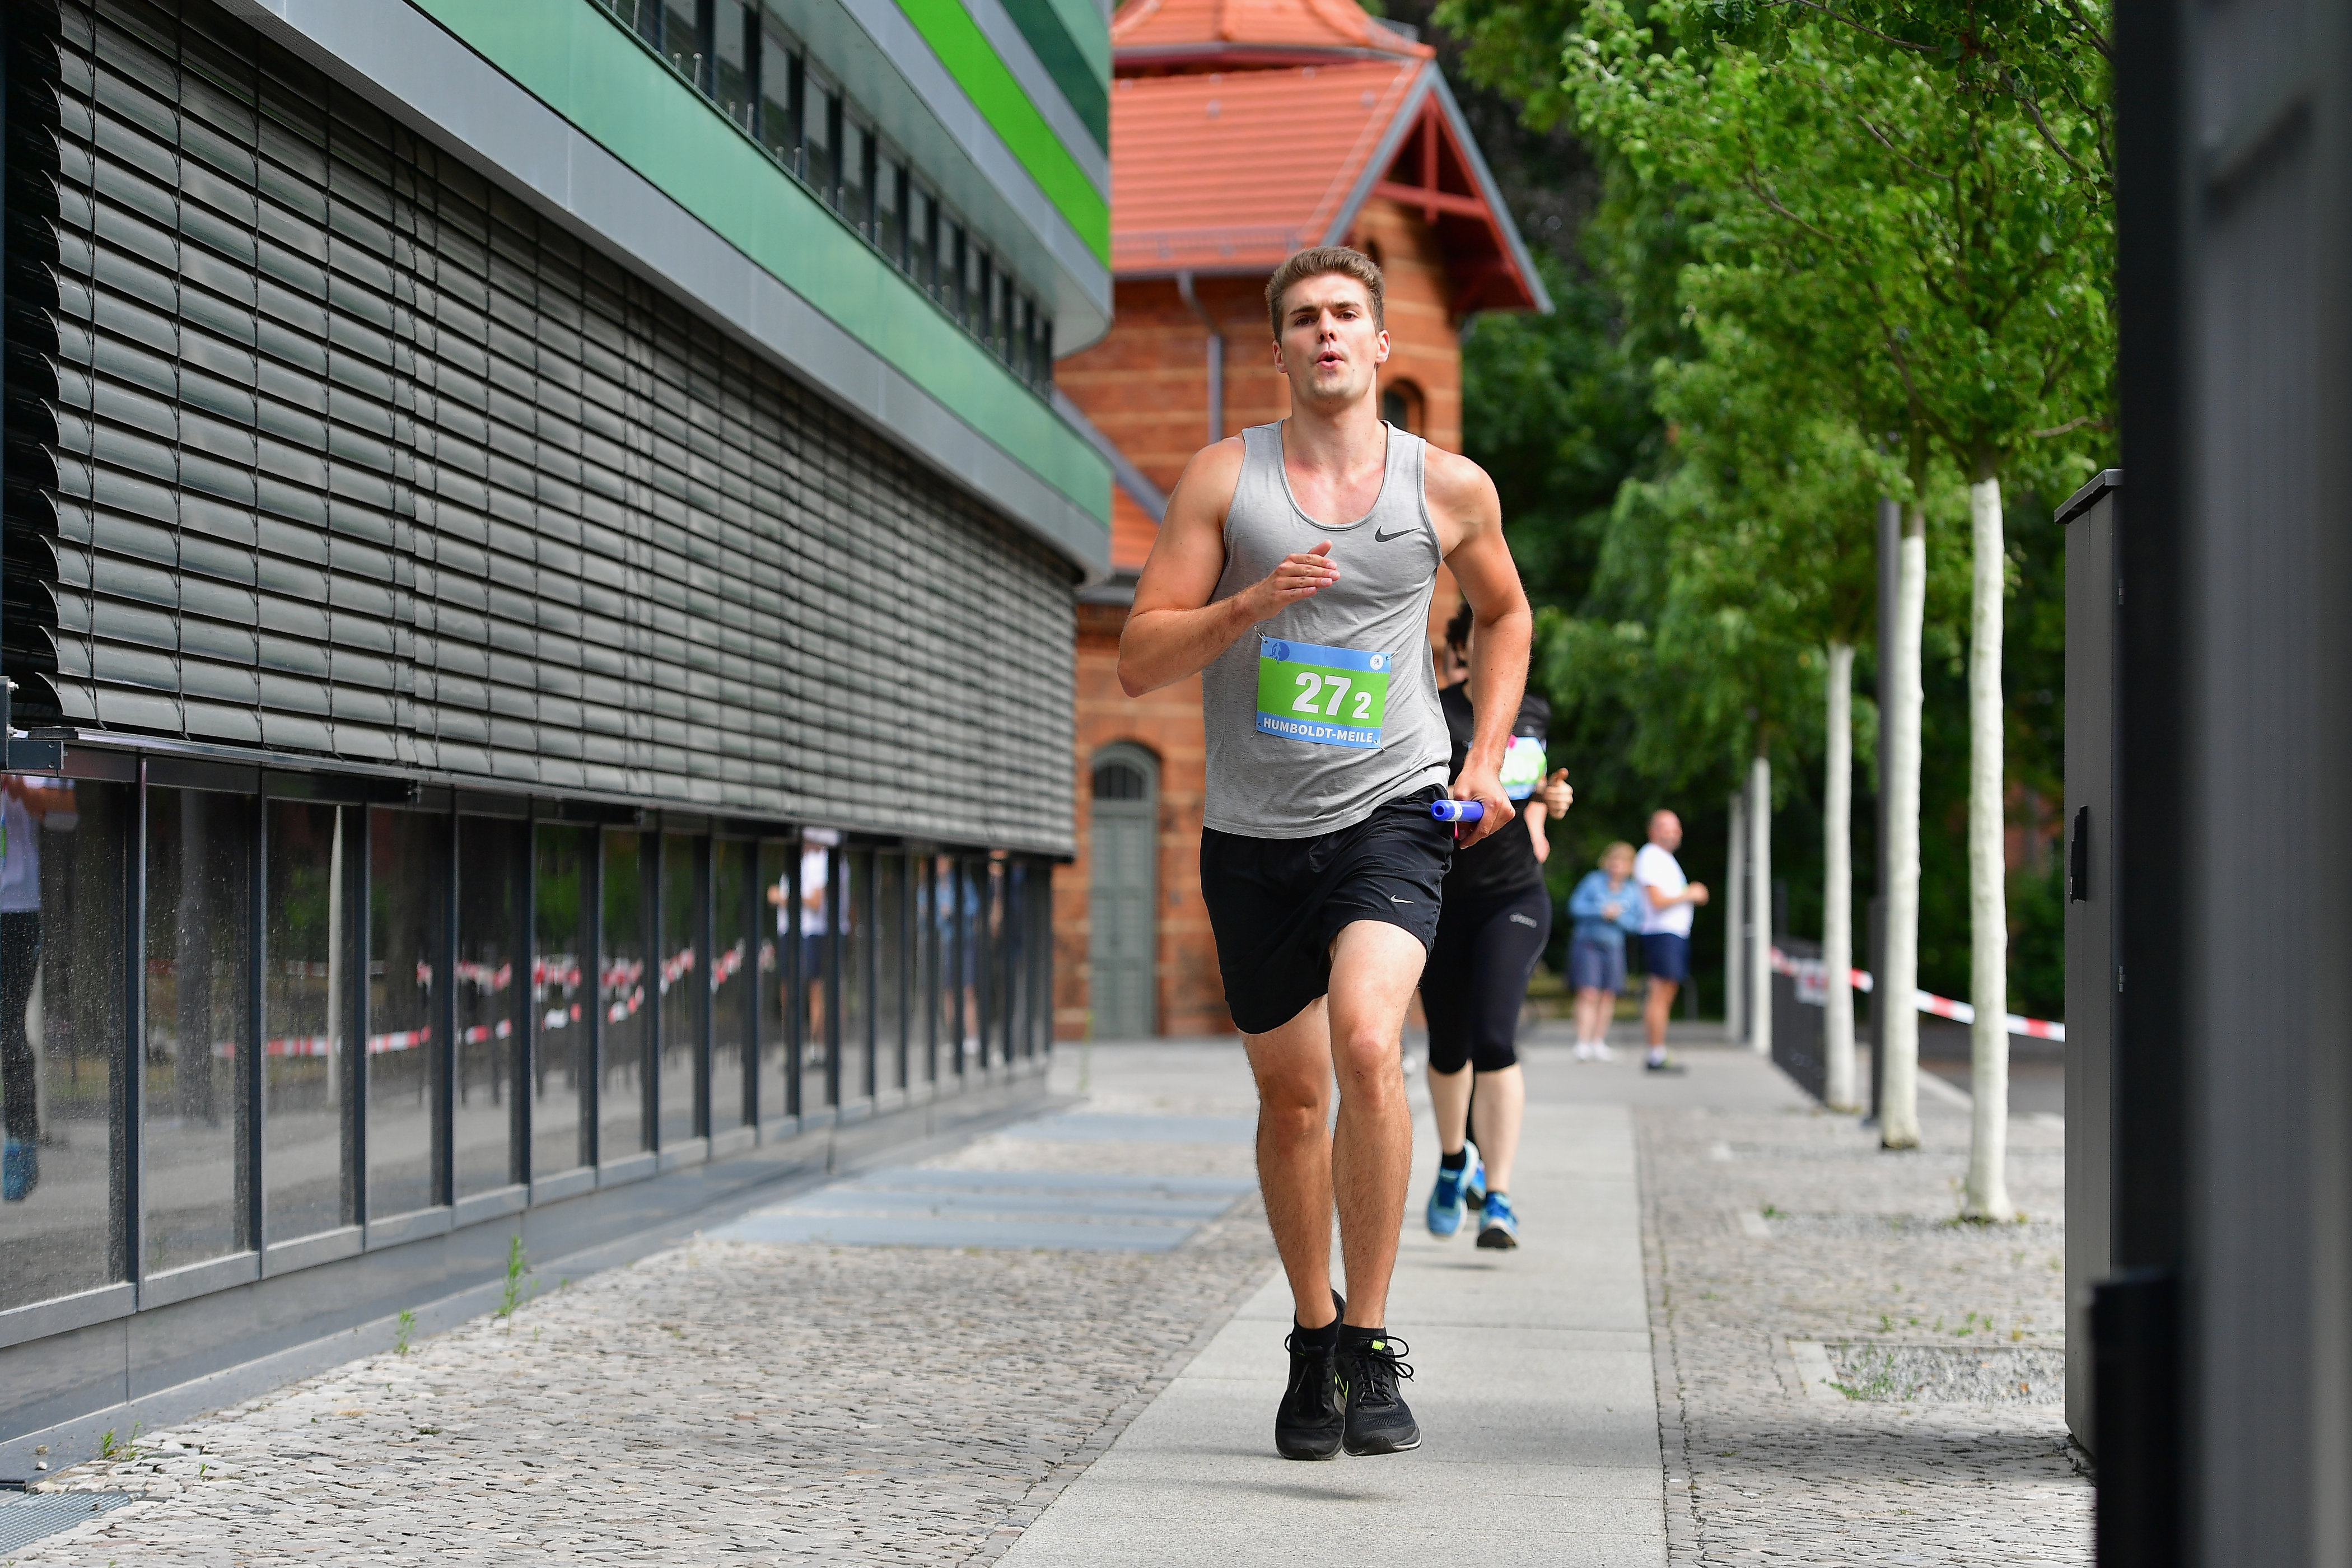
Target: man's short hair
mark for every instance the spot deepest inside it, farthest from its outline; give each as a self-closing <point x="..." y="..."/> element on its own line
<point x="1322" y="261"/>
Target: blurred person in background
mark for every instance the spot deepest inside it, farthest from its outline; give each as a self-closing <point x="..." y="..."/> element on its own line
<point x="1669" y="899"/>
<point x="1494" y="924"/>
<point x="26" y="803"/>
<point x="1606" y="906"/>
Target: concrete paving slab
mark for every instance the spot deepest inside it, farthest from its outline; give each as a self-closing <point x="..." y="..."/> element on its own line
<point x="1535" y="1382"/>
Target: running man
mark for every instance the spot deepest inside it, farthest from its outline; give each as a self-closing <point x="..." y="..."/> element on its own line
<point x="1668" y="901"/>
<point x="1293" y="572"/>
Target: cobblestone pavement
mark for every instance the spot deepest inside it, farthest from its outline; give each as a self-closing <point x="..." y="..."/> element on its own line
<point x="1770" y="1224"/>
<point x="795" y="1402"/>
<point x="720" y="1401"/>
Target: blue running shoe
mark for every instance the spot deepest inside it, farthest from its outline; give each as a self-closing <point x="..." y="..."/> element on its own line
<point x="1500" y="1228"/>
<point x="20" y="1170"/>
<point x="1452" y="1190"/>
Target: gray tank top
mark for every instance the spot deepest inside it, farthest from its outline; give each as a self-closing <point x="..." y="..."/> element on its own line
<point x="1317" y="717"/>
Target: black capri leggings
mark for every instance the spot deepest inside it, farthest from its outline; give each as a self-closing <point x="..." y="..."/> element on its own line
<point x="1476" y="978"/>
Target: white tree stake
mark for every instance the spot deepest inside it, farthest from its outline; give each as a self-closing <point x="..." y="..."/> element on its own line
<point x="1759" y="908"/>
<point x="1837" y="894"/>
<point x="1987" y="1186"/>
<point x="1898" y="1099"/>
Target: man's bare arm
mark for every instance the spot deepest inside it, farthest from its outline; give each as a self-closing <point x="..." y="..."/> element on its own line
<point x="1469" y="517"/>
<point x="1173" y="630"/>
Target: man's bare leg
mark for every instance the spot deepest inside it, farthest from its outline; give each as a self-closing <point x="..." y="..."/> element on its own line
<point x="1374" y="968"/>
<point x="1293" y="1068"/>
<point x="1366" y="1164"/>
<point x="1656" y="1008"/>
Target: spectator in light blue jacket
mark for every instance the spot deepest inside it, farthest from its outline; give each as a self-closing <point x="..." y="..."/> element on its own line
<point x="1605" y="906"/>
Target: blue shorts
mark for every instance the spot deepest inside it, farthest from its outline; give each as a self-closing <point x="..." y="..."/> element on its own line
<point x="1665" y="955"/>
<point x="1596" y="966"/>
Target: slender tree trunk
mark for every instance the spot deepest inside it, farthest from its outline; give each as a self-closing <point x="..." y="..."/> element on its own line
<point x="1837" y="894"/>
<point x="1735" y="927"/>
<point x="1987" y="1188"/>
<point x="1898" y="1101"/>
<point x="1759" y="895"/>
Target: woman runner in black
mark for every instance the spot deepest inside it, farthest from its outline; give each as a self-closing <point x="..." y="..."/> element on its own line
<point x="1493" y="923"/>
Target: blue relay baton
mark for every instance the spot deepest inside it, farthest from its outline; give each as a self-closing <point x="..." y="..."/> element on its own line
<point x="1456" y="810"/>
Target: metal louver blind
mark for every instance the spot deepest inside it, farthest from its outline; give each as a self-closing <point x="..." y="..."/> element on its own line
<point x="352" y="454"/>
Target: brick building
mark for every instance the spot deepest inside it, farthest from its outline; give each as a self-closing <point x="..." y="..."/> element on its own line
<point x="1242" y="131"/>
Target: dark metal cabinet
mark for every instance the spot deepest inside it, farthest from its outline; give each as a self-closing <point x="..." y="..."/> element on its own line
<point x="2094" y="976"/>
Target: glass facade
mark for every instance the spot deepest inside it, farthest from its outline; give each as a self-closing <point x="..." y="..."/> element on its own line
<point x="493" y="854"/>
<point x="288" y="1090"/>
<point x="625" y="999"/>
<point x="306" y="993"/>
<point x="563" y="1001"/>
<point x="781" y="1022"/>
<point x="198" y="1036"/>
<point x="408" y="996"/>
<point x="853" y="957"/>
<point x="890" y="968"/>
<point x="744" y="59"/>
<point x="820" y="974"/>
<point x="63" y="980"/>
<point x="684" y="984"/>
<point x="732" y="1028"/>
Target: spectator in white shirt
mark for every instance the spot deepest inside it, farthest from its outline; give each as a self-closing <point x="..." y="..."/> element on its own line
<point x="1668" y="901"/>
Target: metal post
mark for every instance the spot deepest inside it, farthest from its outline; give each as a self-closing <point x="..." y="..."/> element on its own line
<point x="522" y="944"/>
<point x="1216" y="368"/>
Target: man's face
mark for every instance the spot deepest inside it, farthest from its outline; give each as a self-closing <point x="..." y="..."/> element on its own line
<point x="1329" y="348"/>
<point x="1666" y="831"/>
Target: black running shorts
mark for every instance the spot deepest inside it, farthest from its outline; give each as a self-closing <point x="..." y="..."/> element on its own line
<point x="1277" y="904"/>
<point x="1476" y="978"/>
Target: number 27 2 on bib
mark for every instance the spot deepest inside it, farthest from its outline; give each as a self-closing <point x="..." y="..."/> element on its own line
<point x="1328" y="695"/>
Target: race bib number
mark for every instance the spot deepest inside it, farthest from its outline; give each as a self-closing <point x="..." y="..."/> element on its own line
<point x="1330" y="696"/>
<point x="1523" y="766"/>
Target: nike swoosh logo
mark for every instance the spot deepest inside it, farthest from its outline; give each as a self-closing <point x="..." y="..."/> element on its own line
<point x="1380" y="538"/>
<point x="1394" y="900"/>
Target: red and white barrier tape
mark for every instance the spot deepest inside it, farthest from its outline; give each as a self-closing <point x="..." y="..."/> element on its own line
<point x="324" y="1045"/>
<point x="1812" y="974"/>
<point x="560" y="972"/>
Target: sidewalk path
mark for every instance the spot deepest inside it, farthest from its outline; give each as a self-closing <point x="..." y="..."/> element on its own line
<point x="1535" y="1395"/>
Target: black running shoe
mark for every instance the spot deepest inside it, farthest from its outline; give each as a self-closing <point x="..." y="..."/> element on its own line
<point x="1312" y="1413"/>
<point x="1378" y="1419"/>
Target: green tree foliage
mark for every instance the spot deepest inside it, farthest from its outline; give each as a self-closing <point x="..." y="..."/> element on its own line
<point x="1880" y="210"/>
<point x="1821" y="234"/>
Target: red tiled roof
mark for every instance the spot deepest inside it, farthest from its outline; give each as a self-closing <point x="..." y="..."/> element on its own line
<point x="1236" y="170"/>
<point x="1149" y="32"/>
